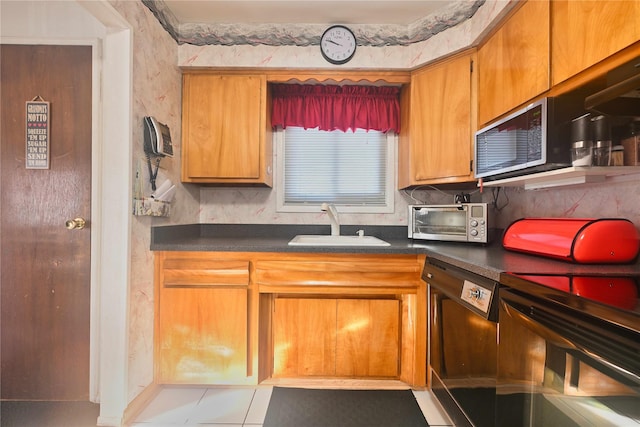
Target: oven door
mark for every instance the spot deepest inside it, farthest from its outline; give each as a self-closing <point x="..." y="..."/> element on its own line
<point x="561" y="367"/>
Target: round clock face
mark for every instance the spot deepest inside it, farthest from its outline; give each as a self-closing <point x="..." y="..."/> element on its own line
<point x="338" y="44"/>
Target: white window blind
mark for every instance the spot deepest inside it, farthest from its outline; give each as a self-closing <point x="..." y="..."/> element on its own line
<point x="353" y="170"/>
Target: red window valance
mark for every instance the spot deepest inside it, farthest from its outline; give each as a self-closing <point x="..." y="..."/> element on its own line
<point x="331" y="107"/>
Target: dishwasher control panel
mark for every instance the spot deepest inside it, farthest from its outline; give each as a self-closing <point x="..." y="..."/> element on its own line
<point x="476" y="295"/>
<point x="475" y="292"/>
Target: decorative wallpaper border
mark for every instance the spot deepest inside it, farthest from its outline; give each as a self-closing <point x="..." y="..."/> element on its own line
<point x="308" y="35"/>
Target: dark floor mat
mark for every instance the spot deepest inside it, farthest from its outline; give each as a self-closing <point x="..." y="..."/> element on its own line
<point x="298" y="407"/>
<point x="48" y="414"/>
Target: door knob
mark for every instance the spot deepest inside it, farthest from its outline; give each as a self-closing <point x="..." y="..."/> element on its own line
<point x="75" y="224"/>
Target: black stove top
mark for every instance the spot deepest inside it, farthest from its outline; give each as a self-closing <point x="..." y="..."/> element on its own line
<point x="614" y="298"/>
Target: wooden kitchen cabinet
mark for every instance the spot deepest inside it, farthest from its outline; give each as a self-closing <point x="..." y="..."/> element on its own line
<point x="513" y="63"/>
<point x="304" y="337"/>
<point x="586" y="32"/>
<point x="438" y="120"/>
<point x="344" y="316"/>
<point x="336" y="337"/>
<point x="225" y="131"/>
<point x="368" y="337"/>
<point x="202" y="319"/>
<point x="246" y="317"/>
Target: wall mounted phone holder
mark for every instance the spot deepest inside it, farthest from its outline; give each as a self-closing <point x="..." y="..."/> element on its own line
<point x="157" y="143"/>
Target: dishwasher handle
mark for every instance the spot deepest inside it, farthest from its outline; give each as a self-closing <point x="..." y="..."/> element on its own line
<point x="595" y="342"/>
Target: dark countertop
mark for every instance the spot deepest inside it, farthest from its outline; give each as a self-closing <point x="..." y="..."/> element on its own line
<point x="486" y="260"/>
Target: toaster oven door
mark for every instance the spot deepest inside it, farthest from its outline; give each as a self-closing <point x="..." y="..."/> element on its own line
<point x="447" y="223"/>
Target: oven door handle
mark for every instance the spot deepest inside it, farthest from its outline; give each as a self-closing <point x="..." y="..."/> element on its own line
<point x="536" y="327"/>
<point x="550" y="335"/>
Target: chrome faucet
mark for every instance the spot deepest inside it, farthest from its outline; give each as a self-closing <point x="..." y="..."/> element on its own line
<point x="330" y="209"/>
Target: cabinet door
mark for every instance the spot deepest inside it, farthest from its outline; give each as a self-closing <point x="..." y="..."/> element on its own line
<point x="437" y="146"/>
<point x="368" y="338"/>
<point x="202" y="335"/>
<point x="336" y="337"/>
<point x="223" y="129"/>
<point x="202" y="319"/>
<point x="513" y="65"/>
<point x="586" y="32"/>
<point x="304" y="337"/>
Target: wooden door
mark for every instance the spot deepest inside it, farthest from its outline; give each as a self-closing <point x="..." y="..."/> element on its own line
<point x="45" y="268"/>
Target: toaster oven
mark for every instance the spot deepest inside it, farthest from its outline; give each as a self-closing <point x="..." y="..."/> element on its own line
<point x="463" y="222"/>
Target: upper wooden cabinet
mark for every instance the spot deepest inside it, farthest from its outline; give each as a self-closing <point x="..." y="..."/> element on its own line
<point x="435" y="142"/>
<point x="225" y="131"/>
<point x="586" y="32"/>
<point x="513" y="64"/>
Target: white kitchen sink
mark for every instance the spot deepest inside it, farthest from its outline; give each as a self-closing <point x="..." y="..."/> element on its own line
<point x="324" y="240"/>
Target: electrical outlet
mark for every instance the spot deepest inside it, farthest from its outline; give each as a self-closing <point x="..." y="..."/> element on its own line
<point x="462" y="198"/>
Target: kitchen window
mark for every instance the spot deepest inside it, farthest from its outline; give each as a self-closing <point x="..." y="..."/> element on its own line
<point x="335" y="144"/>
<point x="353" y="170"/>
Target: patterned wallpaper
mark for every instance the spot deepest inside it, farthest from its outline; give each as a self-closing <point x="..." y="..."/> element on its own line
<point x="292" y="34"/>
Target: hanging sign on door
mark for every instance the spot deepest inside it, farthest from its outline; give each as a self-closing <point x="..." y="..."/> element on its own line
<point x="37" y="143"/>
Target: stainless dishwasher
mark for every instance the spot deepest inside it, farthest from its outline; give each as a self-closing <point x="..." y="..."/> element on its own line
<point x="462" y="340"/>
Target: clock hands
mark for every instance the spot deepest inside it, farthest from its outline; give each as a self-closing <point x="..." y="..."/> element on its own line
<point x="336" y="43"/>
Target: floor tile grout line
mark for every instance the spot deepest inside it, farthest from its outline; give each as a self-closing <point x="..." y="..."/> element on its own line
<point x="204" y="393"/>
<point x="246" y="414"/>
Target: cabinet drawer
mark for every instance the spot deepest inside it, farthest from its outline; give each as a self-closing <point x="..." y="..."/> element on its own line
<point x="197" y="272"/>
<point x="364" y="275"/>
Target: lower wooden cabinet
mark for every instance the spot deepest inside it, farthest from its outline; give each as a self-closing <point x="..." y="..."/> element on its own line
<point x="203" y="335"/>
<point x="336" y="337"/>
<point x="368" y="338"/>
<point x="304" y="337"/>
<point x="243" y="318"/>
<point x="202" y="319"/>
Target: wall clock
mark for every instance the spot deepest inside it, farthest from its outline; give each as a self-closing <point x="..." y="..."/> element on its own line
<point x="338" y="44"/>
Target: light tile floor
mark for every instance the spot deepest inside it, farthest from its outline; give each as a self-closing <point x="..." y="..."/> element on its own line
<point x="234" y="407"/>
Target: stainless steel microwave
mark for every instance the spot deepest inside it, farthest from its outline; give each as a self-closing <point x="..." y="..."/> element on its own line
<point x="533" y="139"/>
<point x="463" y="222"/>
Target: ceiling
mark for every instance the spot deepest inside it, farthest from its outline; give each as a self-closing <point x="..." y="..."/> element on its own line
<point x="304" y="12"/>
<point x="300" y="23"/>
